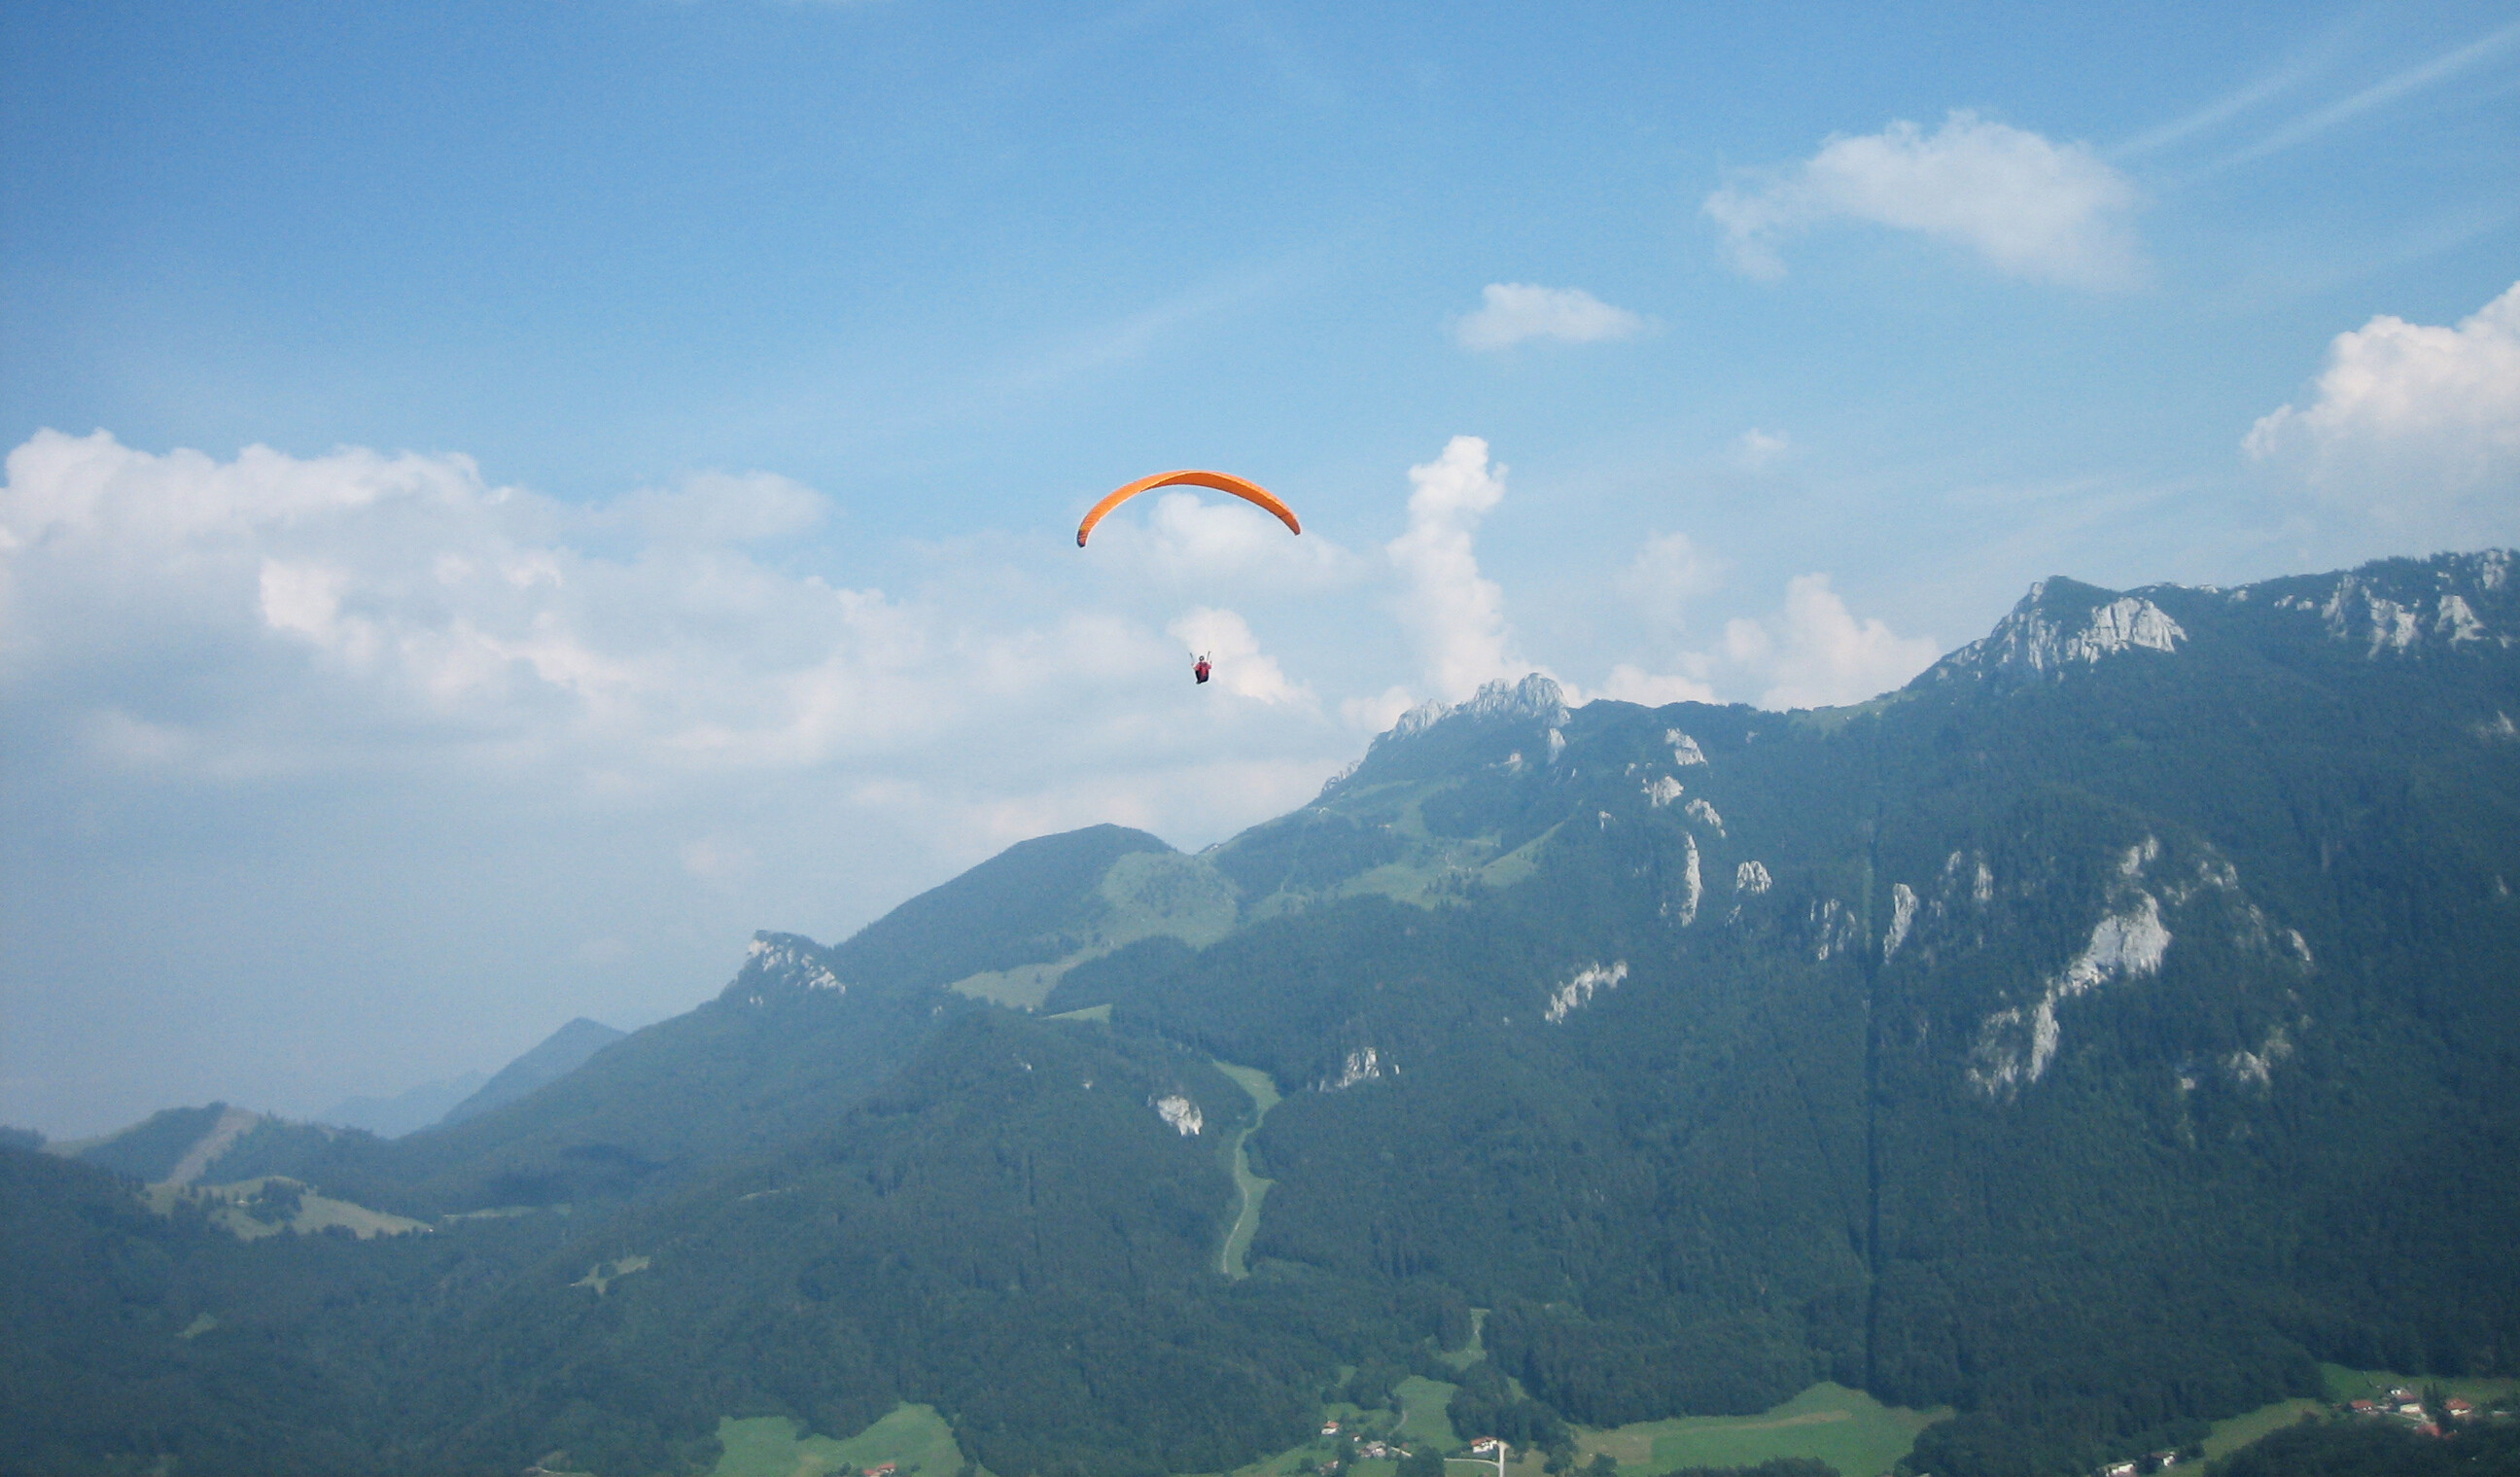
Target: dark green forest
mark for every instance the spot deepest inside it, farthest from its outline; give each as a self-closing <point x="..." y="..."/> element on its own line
<point x="2090" y="1038"/>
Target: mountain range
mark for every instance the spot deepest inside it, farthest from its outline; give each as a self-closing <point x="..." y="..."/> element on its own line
<point x="2089" y="1037"/>
<point x="472" y="1094"/>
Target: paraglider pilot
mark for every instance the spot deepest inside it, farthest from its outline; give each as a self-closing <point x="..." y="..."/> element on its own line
<point x="1201" y="668"/>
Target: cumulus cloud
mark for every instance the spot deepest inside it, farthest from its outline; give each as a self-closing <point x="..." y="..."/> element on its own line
<point x="2417" y="425"/>
<point x="1190" y="539"/>
<point x="1816" y="653"/>
<point x="1239" y="667"/>
<point x="1667" y="574"/>
<point x="721" y="507"/>
<point x="250" y="698"/>
<point x="1456" y="614"/>
<point x="2030" y="208"/>
<point x="1511" y="312"/>
<point x="407" y="597"/>
<point x="1377" y="711"/>
<point x="1629" y="683"/>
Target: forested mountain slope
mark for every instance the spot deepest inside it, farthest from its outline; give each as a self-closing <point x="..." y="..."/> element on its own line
<point x="800" y="1032"/>
<point x="2090" y="1036"/>
<point x="2052" y="1038"/>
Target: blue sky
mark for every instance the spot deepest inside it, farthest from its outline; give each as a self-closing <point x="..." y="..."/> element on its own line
<point x="505" y="500"/>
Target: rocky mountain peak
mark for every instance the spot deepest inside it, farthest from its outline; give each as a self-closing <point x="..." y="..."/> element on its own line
<point x="2388" y="608"/>
<point x="1535" y="696"/>
<point x="781" y="965"/>
<point x="2062" y="624"/>
<point x="2397" y="607"/>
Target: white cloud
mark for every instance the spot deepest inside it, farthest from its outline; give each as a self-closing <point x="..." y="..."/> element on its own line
<point x="2030" y="208"/>
<point x="723" y="507"/>
<point x="256" y="700"/>
<point x="404" y="601"/>
<point x="1239" y="667"/>
<point x="1668" y="574"/>
<point x="1456" y="614"/>
<point x="1377" y="711"/>
<point x="1813" y="654"/>
<point x="1510" y="312"/>
<point x="1192" y="539"/>
<point x="1757" y="448"/>
<point x="1633" y="683"/>
<point x="1817" y="654"/>
<point x="301" y="597"/>
<point x="2416" y="425"/>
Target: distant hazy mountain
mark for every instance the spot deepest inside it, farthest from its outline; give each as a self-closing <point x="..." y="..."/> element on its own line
<point x="220" y="1143"/>
<point x="406" y="1111"/>
<point x="562" y="1052"/>
<point x="2090" y="1036"/>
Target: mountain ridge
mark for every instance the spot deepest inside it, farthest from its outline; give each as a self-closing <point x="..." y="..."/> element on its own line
<point x="2035" y="1040"/>
<point x="555" y="1056"/>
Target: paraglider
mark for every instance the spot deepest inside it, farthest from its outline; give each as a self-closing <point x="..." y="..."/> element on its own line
<point x="1250" y="492"/>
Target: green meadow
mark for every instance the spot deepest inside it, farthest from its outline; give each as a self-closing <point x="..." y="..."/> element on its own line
<point x="1846" y="1428"/>
<point x="1250" y="1190"/>
<point x="2344" y="1384"/>
<point x="915" y="1438"/>
<point x="2230" y="1435"/>
<point x="1422" y="1417"/>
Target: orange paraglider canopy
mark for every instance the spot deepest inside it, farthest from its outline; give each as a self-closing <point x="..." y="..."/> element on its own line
<point x="1250" y="492"/>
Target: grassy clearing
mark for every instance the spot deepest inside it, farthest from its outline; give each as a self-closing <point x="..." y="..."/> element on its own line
<point x="915" y="1438"/>
<point x="1151" y="892"/>
<point x="241" y="1210"/>
<point x="1422" y="1417"/>
<point x="1022" y="988"/>
<point x="2228" y="1436"/>
<point x="2345" y="1384"/>
<point x="602" y="1274"/>
<point x="1846" y="1428"/>
<point x="1520" y="863"/>
<point x="1144" y="894"/>
<point x="1288" y="1462"/>
<point x="321" y="1213"/>
<point x="1249" y="1189"/>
